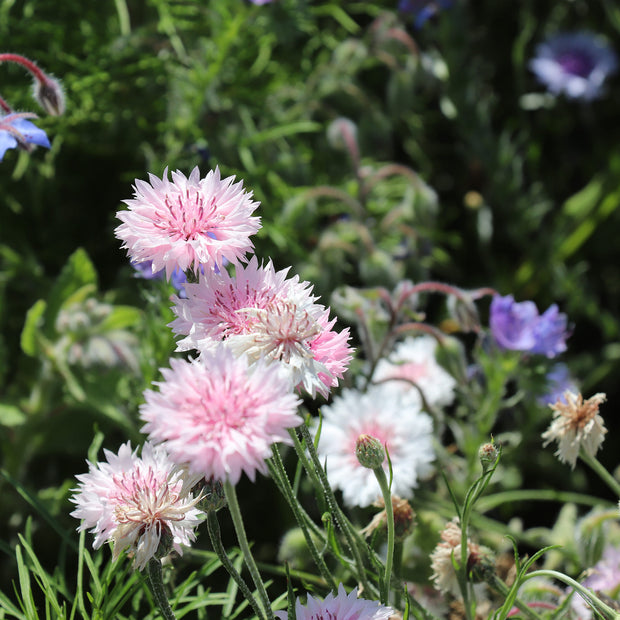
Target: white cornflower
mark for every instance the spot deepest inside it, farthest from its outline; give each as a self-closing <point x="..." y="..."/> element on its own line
<point x="412" y="368"/>
<point x="388" y="415"/>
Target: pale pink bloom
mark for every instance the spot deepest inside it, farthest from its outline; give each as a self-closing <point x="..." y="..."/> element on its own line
<point x="412" y="367"/>
<point x="341" y="607"/>
<point x="220" y="415"/>
<point x="265" y="315"/>
<point x="135" y="501"/>
<point x="387" y="415"/>
<point x="188" y="222"/>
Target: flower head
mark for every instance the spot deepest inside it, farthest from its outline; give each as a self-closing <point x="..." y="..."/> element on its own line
<point x="220" y="415"/>
<point x="16" y="131"/>
<point x="263" y="314"/>
<point x="413" y="368"/>
<point x="343" y="606"/>
<point x="448" y="551"/>
<point x="576" y="424"/>
<point x="575" y="64"/>
<point x="137" y="502"/>
<point x="188" y="222"/>
<point x="395" y="421"/>
<point x="519" y="327"/>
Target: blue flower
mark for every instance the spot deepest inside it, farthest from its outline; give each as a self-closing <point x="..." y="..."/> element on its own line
<point x="519" y="327"/>
<point x="575" y="64"/>
<point x="422" y="10"/>
<point x="16" y="131"/>
<point x="559" y="381"/>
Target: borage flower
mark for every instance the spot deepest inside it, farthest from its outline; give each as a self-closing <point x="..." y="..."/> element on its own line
<point x="395" y="421"/>
<point x="413" y="368"/>
<point x="576" y="424"/>
<point x="188" y="222"/>
<point x="343" y="606"/>
<point x="519" y="327"/>
<point x="16" y="131"/>
<point x="264" y="315"/>
<point x="139" y="503"/>
<point x="575" y="64"/>
<point x="220" y="415"/>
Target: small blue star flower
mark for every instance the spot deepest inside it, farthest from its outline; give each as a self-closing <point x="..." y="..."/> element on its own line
<point x="422" y="10"/>
<point x="16" y="131"/>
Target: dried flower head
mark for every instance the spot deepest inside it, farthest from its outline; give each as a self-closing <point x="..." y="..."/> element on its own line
<point x="576" y="424"/>
<point x="448" y="551"/>
<point x="139" y="503"/>
<point x="403" y="518"/>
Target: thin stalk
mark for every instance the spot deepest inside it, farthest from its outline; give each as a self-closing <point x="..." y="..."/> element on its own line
<point x="153" y="570"/>
<point x="590" y="597"/>
<point x="497" y="584"/>
<point x="341" y="519"/>
<point x="235" y="513"/>
<point x="603" y="474"/>
<point x="287" y="490"/>
<point x="389" y="513"/>
<point x="213" y="526"/>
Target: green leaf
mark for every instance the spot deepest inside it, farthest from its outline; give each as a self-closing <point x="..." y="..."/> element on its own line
<point x="10" y="415"/>
<point x="122" y="317"/>
<point x="77" y="273"/>
<point x="32" y="324"/>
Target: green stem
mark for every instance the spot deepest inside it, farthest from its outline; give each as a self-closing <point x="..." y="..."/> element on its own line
<point x="334" y="508"/>
<point x="389" y="512"/>
<point x="153" y="570"/>
<point x="213" y="526"/>
<point x="286" y="489"/>
<point x="587" y="594"/>
<point x="235" y="513"/>
<point x="502" y="588"/>
<point x="603" y="474"/>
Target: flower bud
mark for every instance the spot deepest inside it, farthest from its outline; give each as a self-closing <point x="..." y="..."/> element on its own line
<point x="488" y="454"/>
<point x="369" y="451"/>
<point x="50" y="96"/>
<point x="213" y="496"/>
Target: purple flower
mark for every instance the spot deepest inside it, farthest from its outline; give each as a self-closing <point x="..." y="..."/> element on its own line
<point x="422" y="10"/>
<point x="575" y="64"/>
<point x="16" y="131"/>
<point x="519" y="327"/>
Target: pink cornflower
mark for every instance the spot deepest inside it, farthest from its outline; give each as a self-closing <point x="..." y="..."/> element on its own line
<point x="138" y="503"/>
<point x="262" y="314"/>
<point x="395" y="420"/>
<point x="220" y="415"/>
<point x="188" y="222"/>
<point x="341" y="607"/>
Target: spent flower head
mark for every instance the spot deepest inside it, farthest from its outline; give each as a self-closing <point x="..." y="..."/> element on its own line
<point x="395" y="422"/>
<point x="220" y="415"/>
<point x="343" y="606"/>
<point x="265" y="315"/>
<point x="576" y="424"/>
<point x="139" y="503"/>
<point x="187" y="222"/>
<point x="575" y="64"/>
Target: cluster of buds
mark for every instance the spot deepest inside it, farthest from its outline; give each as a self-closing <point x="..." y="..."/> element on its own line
<point x="15" y="128"/>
